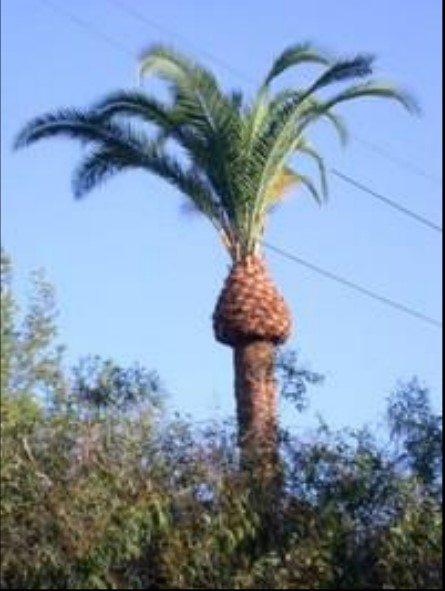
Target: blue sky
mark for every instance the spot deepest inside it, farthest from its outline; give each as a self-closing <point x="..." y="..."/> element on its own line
<point x="137" y="280"/>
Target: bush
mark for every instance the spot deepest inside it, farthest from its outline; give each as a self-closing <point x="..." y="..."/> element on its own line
<point x="101" y="490"/>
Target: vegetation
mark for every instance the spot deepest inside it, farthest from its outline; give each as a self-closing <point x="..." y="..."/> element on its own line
<point x="100" y="489"/>
<point x="233" y="159"/>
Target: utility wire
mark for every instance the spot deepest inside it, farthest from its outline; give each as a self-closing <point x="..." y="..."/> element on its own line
<point x="390" y="202"/>
<point x="138" y="15"/>
<point x="354" y="286"/>
<point x="81" y="22"/>
<point x="401" y="162"/>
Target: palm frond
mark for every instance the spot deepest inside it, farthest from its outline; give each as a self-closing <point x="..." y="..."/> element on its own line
<point x="295" y="55"/>
<point x="194" y="88"/>
<point x="214" y="117"/>
<point x="236" y="99"/>
<point x="343" y="70"/>
<point x="167" y="63"/>
<point x="256" y="117"/>
<point x="100" y="165"/>
<point x="287" y="178"/>
<point x="308" y="150"/>
<point x="290" y="102"/>
<point x="71" y="123"/>
<point x="84" y="126"/>
<point x="133" y="103"/>
<point x="377" y="90"/>
<point x="105" y="162"/>
<point x="170" y="122"/>
<point x="310" y="186"/>
<point x="284" y="180"/>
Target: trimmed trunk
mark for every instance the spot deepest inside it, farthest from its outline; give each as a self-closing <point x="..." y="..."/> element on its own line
<point x="252" y="318"/>
<point x="256" y="399"/>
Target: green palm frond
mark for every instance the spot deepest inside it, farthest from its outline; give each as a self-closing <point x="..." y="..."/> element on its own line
<point x="195" y="90"/>
<point x="377" y="90"/>
<point x="72" y="123"/>
<point x="285" y="178"/>
<point x="136" y="104"/>
<point x="169" y="122"/>
<point x="311" y="187"/>
<point x="173" y="66"/>
<point x="308" y="150"/>
<point x="104" y="162"/>
<point x="214" y="117"/>
<point x="100" y="165"/>
<point x="343" y="71"/>
<point x="301" y="53"/>
<point x="286" y="102"/>
<point x="295" y="114"/>
<point x="236" y="99"/>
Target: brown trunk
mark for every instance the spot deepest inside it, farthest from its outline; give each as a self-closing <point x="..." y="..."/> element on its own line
<point x="256" y="397"/>
<point x="252" y="317"/>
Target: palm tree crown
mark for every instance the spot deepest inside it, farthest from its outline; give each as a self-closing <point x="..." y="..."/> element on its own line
<point x="229" y="156"/>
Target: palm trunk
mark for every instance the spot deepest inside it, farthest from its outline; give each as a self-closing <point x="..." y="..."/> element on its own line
<point x="256" y="398"/>
<point x="252" y="317"/>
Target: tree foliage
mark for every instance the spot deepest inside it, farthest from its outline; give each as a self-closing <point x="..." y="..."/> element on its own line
<point x="101" y="489"/>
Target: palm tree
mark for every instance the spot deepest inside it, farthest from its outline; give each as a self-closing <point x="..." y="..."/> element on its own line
<point x="233" y="159"/>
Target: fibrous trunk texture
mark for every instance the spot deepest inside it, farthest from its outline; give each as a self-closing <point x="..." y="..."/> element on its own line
<point x="250" y="308"/>
<point x="256" y="400"/>
<point x="252" y="317"/>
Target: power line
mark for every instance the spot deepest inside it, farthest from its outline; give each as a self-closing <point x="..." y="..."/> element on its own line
<point x="136" y="14"/>
<point x="355" y="286"/>
<point x="89" y="27"/>
<point x="387" y="201"/>
<point x="401" y="162"/>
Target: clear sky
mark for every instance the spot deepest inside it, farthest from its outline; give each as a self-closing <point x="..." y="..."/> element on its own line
<point x="136" y="279"/>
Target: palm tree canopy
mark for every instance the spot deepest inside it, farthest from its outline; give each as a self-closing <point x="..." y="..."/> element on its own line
<point x="231" y="157"/>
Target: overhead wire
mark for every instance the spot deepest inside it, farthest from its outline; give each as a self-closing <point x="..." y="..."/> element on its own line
<point x="354" y="286"/>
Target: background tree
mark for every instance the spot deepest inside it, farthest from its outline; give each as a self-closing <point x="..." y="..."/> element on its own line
<point x="417" y="431"/>
<point x="30" y="361"/>
<point x="118" y="495"/>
